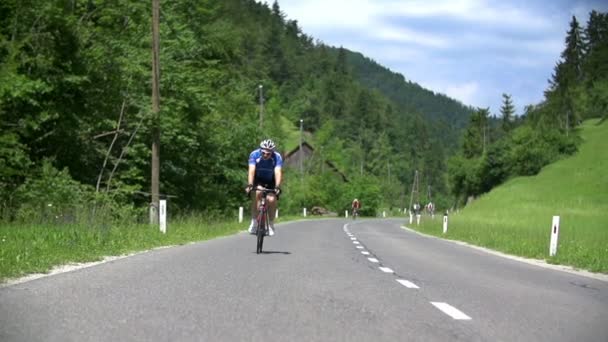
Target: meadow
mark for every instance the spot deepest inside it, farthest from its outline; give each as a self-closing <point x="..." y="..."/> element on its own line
<point x="516" y="217"/>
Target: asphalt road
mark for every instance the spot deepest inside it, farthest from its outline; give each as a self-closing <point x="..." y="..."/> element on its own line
<point x="320" y="280"/>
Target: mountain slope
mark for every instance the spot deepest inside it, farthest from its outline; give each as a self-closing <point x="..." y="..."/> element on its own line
<point x="449" y="116"/>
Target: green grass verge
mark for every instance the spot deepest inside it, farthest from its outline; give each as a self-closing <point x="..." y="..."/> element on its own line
<point x="516" y="217"/>
<point x="28" y="248"/>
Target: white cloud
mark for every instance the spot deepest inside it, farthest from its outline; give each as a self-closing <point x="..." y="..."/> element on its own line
<point x="472" y="11"/>
<point x="405" y="35"/>
<point x="362" y="13"/>
<point x="466" y="92"/>
<point x="334" y="14"/>
<point x="471" y="50"/>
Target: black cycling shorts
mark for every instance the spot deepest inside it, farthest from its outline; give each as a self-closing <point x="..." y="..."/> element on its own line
<point x="267" y="185"/>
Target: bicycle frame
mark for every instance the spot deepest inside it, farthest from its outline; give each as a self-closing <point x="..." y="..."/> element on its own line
<point x="263" y="222"/>
<point x="355" y="213"/>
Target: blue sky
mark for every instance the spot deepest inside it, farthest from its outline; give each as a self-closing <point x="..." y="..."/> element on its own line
<point x="470" y="50"/>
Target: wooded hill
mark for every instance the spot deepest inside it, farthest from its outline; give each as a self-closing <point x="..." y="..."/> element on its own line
<point x="75" y="80"/>
<point x="446" y="117"/>
<point x="76" y="122"/>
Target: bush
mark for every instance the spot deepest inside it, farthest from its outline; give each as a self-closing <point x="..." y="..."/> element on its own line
<point x="52" y="196"/>
<point x="531" y="150"/>
<point x="47" y="195"/>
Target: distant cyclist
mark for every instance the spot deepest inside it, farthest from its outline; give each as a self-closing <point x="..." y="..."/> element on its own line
<point x="416" y="208"/>
<point x="265" y="169"/>
<point x="356" y="205"/>
<point x="430" y="208"/>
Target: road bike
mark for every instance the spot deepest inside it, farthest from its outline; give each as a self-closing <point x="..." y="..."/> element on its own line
<point x="263" y="221"/>
<point x="355" y="213"/>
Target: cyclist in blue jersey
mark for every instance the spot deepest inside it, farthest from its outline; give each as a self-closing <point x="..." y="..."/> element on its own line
<point x="265" y="169"/>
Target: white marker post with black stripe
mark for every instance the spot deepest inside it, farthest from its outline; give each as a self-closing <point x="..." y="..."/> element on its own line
<point x="163" y="216"/>
<point x="554" y="236"/>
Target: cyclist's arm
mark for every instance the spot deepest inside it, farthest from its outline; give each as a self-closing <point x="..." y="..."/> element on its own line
<point x="278" y="175"/>
<point x="251" y="174"/>
<point x="278" y="170"/>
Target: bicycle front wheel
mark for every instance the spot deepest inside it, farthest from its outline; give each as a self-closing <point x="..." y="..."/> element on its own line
<point x="260" y="233"/>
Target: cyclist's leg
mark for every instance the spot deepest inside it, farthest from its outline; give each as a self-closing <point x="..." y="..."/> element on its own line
<point x="272" y="207"/>
<point x="255" y="200"/>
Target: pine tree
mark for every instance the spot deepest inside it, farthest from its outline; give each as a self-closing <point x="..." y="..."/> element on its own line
<point x="595" y="67"/>
<point x="507" y="112"/>
<point x="568" y="74"/>
<point x="596" y="47"/>
<point x="475" y="137"/>
<point x="279" y="70"/>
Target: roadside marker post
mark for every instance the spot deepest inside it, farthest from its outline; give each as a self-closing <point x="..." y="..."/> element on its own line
<point x="445" y="222"/>
<point x="418" y="219"/>
<point x="411" y="217"/>
<point x="304" y="212"/>
<point x="554" y="236"/>
<point x="346" y="213"/>
<point x="163" y="216"/>
<point x="240" y="214"/>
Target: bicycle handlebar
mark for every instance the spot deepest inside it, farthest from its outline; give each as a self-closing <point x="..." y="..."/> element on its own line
<point x="261" y="188"/>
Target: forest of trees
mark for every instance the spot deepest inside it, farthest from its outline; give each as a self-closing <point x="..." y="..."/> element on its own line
<point x="76" y="112"/>
<point x="76" y="123"/>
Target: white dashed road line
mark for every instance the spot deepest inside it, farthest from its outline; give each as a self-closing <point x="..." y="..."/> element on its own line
<point x="386" y="270"/>
<point x="444" y="307"/>
<point x="407" y="284"/>
<point x="451" y="311"/>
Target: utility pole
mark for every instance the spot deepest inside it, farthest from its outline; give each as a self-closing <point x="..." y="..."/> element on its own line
<point x="414" y="190"/>
<point x="301" y="151"/>
<point x="261" y="88"/>
<point x="154" y="205"/>
<point x="322" y="161"/>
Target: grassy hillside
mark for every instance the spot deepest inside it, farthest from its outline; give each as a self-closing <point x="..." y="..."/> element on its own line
<point x="516" y="217"/>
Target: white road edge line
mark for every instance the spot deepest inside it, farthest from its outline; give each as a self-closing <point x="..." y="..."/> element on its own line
<point x="356" y="242"/>
<point x="360" y="247"/>
<point x="407" y="284"/>
<point x="372" y="259"/>
<point x="536" y="262"/>
<point x="386" y="270"/>
<point x="365" y="252"/>
<point x="451" y="311"/>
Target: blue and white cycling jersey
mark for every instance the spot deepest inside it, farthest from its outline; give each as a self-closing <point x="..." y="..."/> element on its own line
<point x="264" y="168"/>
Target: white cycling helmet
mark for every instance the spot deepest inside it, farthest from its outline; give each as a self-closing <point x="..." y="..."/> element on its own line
<point x="267" y="144"/>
